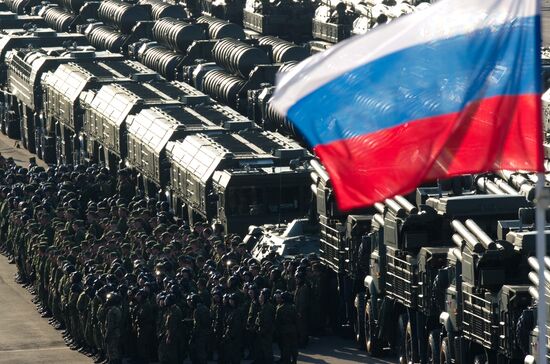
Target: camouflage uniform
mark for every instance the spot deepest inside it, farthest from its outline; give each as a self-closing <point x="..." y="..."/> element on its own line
<point x="265" y="322"/>
<point x="170" y="340"/>
<point x="232" y="337"/>
<point x="199" y="335"/>
<point x="285" y="322"/>
<point x="112" y="327"/>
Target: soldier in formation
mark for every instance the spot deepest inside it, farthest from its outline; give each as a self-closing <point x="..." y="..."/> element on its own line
<point x="126" y="279"/>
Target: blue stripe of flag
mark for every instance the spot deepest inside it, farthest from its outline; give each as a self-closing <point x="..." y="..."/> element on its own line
<point x="423" y="81"/>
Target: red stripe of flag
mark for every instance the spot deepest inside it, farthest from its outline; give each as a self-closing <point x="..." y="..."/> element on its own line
<point x="490" y="134"/>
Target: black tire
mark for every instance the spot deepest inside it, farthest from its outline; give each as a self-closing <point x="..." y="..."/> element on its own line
<point x="433" y="348"/>
<point x="360" y="320"/>
<point x="525" y="324"/>
<point x="408" y="344"/>
<point x="401" y="332"/>
<point x="480" y="359"/>
<point x="372" y="344"/>
<point x="445" y="352"/>
<point x="12" y="130"/>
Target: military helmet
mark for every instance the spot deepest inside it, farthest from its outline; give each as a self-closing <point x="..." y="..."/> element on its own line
<point x="287" y="297"/>
<point x="141" y="294"/>
<point x="266" y="293"/>
<point x="233" y="281"/>
<point x="216" y="292"/>
<point x="76" y="277"/>
<point x="113" y="299"/>
<point x="69" y="268"/>
<point x="194" y="298"/>
<point x="76" y="288"/>
<point x="169" y="300"/>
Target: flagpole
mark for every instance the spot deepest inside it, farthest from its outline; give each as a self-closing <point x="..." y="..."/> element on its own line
<point x="542" y="204"/>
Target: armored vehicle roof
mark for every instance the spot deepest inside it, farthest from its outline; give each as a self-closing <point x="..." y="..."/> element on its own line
<point x="274" y="143"/>
<point x="39" y="37"/>
<point x="149" y="86"/>
<point x="115" y="101"/>
<point x="26" y="67"/>
<point x="151" y="129"/>
<point x="71" y="79"/>
<point x="107" y="110"/>
<point x="132" y="69"/>
<point x="154" y="127"/>
<point x="190" y="95"/>
<point x="224" y="116"/>
<point x="223" y="178"/>
<point x="203" y="154"/>
<point x="36" y="58"/>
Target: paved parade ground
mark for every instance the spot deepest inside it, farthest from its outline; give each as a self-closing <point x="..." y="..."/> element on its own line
<point x="25" y="337"/>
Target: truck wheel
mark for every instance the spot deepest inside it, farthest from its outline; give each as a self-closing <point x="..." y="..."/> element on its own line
<point x="372" y="345"/>
<point x="12" y="130"/>
<point x="480" y="359"/>
<point x="401" y="334"/>
<point x="408" y="344"/>
<point x="360" y="319"/>
<point x="433" y="347"/>
<point x="445" y="352"/>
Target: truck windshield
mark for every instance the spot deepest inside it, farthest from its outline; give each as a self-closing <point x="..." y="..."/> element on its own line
<point x="256" y="201"/>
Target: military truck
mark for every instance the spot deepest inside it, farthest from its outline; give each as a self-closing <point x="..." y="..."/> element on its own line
<point x="337" y="20"/>
<point x="20" y="38"/>
<point x="487" y="297"/>
<point x="527" y="324"/>
<point x="239" y="178"/>
<point x="62" y="109"/>
<point x="290" y="20"/>
<point x="495" y="309"/>
<point x="25" y="69"/>
<point x="387" y="260"/>
<point x="226" y="10"/>
<point x="406" y="310"/>
<point x="62" y="98"/>
<point x="344" y="252"/>
<point x="107" y="109"/>
<point x="149" y="132"/>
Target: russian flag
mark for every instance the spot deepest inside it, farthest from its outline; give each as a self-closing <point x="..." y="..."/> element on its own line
<point x="449" y="90"/>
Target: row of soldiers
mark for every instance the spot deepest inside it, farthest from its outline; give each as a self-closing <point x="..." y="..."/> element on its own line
<point x="125" y="278"/>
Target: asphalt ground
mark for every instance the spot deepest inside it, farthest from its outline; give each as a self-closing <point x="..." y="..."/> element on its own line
<point x="25" y="337"/>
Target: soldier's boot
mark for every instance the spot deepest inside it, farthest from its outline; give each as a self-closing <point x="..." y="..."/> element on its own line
<point x="100" y="358"/>
<point x="46" y="313"/>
